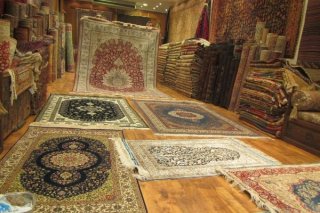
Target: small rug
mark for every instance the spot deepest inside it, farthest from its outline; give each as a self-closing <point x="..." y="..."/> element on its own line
<point x="88" y="112"/>
<point x="293" y="188"/>
<point x="185" y="118"/>
<point x="70" y="170"/>
<point x="162" y="159"/>
<point x="116" y="58"/>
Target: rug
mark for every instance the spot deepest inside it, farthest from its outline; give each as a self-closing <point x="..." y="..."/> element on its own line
<point x="70" y="170"/>
<point x="116" y="58"/>
<point x="162" y="159"/>
<point x="293" y="188"/>
<point x="188" y="118"/>
<point x="88" y="112"/>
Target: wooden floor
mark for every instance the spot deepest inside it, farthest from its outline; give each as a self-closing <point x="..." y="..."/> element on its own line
<point x="197" y="195"/>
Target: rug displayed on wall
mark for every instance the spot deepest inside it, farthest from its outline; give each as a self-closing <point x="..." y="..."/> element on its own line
<point x="88" y="112"/>
<point x="70" y="170"/>
<point x="188" y="118"/>
<point x="292" y="188"/>
<point x="116" y="58"/>
<point x="162" y="159"/>
<point x="236" y="19"/>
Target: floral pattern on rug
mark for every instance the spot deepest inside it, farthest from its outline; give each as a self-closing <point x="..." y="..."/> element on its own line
<point x="117" y="67"/>
<point x="70" y="170"/>
<point x="290" y="188"/>
<point x="163" y="159"/>
<point x="116" y="59"/>
<point x="174" y="117"/>
<point x="93" y="112"/>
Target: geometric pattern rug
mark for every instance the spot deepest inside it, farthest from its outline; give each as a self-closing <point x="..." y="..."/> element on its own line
<point x="188" y="118"/>
<point x="163" y="159"/>
<point x="88" y="112"/>
<point x="70" y="170"/>
<point x="116" y="58"/>
<point x="292" y="188"/>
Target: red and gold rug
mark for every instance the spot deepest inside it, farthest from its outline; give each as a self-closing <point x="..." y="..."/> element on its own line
<point x="70" y="170"/>
<point x="292" y="188"/>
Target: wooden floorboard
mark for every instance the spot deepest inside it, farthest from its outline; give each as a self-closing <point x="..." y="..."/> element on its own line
<point x="208" y="194"/>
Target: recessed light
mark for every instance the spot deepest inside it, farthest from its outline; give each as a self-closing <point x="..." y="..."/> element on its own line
<point x="145" y="4"/>
<point x="157" y="6"/>
<point x="160" y="3"/>
<point x="154" y="8"/>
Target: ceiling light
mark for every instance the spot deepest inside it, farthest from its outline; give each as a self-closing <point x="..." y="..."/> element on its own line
<point x="154" y="8"/>
<point x="145" y="4"/>
<point x="157" y="6"/>
<point x="160" y="3"/>
<point x="166" y="10"/>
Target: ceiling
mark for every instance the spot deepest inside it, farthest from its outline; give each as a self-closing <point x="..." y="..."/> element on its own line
<point x="160" y="6"/>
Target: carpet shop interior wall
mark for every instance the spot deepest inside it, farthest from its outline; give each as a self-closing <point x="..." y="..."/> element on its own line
<point x="183" y="19"/>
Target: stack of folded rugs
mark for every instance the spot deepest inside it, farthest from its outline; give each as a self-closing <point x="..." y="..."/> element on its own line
<point x="162" y="61"/>
<point x="263" y="100"/>
<point x="188" y="67"/>
<point x="170" y="73"/>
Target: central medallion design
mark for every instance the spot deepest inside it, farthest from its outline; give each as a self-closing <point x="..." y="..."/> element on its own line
<point x="191" y="156"/>
<point x="90" y="110"/>
<point x="183" y="114"/>
<point x="66" y="166"/>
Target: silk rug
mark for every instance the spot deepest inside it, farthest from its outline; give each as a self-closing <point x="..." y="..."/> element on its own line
<point x="88" y="112"/>
<point x="162" y="159"/>
<point x="185" y="118"/>
<point x="70" y="170"/>
<point x="116" y="58"/>
<point x="293" y="188"/>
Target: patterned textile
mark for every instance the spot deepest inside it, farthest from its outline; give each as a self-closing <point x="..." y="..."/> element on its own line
<point x="203" y="25"/>
<point x="263" y="100"/>
<point x="162" y="61"/>
<point x="88" y="112"/>
<point x="236" y="19"/>
<point x="313" y="117"/>
<point x="116" y="58"/>
<point x="7" y="49"/>
<point x="172" y="117"/>
<point x="293" y="188"/>
<point x="70" y="170"/>
<point x="183" y="20"/>
<point x="158" y="159"/>
<point x="218" y="73"/>
<point x="309" y="50"/>
<point x="306" y="100"/>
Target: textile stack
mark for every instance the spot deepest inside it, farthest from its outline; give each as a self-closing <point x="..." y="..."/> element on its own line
<point x="170" y="73"/>
<point x="263" y="100"/>
<point x="218" y="73"/>
<point x="162" y="61"/>
<point x="188" y="67"/>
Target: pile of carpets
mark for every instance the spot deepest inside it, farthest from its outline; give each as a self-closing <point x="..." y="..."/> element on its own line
<point x="170" y="73"/>
<point x="189" y="65"/>
<point x="263" y="100"/>
<point x="162" y="60"/>
<point x="220" y="65"/>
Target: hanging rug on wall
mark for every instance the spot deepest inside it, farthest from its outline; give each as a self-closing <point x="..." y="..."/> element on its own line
<point x="92" y="112"/>
<point x="163" y="159"/>
<point x="188" y="118"/>
<point x="288" y="188"/>
<point x="70" y="170"/>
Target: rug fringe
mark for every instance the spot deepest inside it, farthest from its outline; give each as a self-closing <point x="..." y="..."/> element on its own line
<point x="260" y="202"/>
<point x="126" y="159"/>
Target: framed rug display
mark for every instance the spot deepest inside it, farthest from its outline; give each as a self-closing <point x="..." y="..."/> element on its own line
<point x="188" y="118"/>
<point x="91" y="112"/>
<point x="165" y="159"/>
<point x="70" y="170"/>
